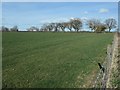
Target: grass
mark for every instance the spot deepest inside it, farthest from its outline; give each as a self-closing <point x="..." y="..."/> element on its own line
<point x="52" y="60"/>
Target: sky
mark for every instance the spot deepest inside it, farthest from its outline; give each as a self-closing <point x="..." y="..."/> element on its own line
<point x="26" y="14"/>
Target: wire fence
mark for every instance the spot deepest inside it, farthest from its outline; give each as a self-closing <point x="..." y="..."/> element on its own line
<point x="102" y="76"/>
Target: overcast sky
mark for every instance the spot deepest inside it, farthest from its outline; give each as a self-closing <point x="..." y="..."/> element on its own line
<point x="26" y="14"/>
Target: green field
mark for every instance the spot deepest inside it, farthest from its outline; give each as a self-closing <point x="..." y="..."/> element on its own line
<point x="52" y="60"/>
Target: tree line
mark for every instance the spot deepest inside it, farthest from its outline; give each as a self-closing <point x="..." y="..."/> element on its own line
<point x="6" y="29"/>
<point x="73" y="25"/>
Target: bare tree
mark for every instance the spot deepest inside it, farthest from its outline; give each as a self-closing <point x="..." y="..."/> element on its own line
<point x="33" y="28"/>
<point x="69" y="25"/>
<point x="76" y="23"/>
<point x="4" y="29"/>
<point x="100" y="28"/>
<point x="111" y="23"/>
<point x="44" y="27"/>
<point x="14" y="29"/>
<point x="62" y="26"/>
<point x="93" y="24"/>
<point x="57" y="27"/>
<point x="51" y="26"/>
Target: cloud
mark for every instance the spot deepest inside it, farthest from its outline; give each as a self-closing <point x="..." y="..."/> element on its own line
<point x="55" y="19"/>
<point x="84" y="18"/>
<point x="103" y="10"/>
<point x="85" y="12"/>
<point x="111" y="17"/>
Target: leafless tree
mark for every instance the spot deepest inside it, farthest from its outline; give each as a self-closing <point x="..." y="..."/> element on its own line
<point x="62" y="26"/>
<point x="33" y="28"/>
<point x="14" y="29"/>
<point x="101" y="28"/>
<point x="93" y="24"/>
<point x="44" y="27"/>
<point x="56" y="27"/>
<point x="111" y="23"/>
<point x="49" y="27"/>
<point x="96" y="25"/>
<point x="76" y="23"/>
<point x="4" y="29"/>
<point x="69" y="25"/>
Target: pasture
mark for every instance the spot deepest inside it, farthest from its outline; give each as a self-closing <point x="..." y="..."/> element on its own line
<point x="52" y="60"/>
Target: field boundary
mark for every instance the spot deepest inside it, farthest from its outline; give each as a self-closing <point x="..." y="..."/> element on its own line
<point x="113" y="80"/>
<point x="114" y="53"/>
<point x="103" y="78"/>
